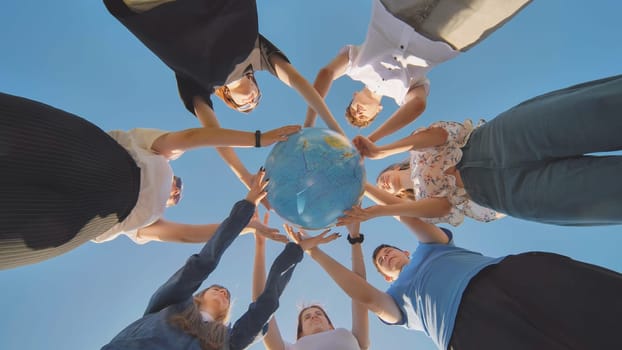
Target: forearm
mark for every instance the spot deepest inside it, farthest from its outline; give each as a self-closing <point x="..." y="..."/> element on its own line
<point x="404" y="115"/>
<point x="322" y="85"/>
<point x="316" y="102"/>
<point x="434" y="207"/>
<point x="424" y="231"/>
<point x="259" y="269"/>
<point x="259" y="312"/>
<point x="360" y="319"/>
<point x="352" y="284"/>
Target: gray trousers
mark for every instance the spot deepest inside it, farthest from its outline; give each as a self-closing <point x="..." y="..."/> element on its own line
<point x="530" y="162"/>
<point x="460" y="23"/>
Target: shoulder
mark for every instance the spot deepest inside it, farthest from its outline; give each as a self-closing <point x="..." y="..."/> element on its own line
<point x="268" y="49"/>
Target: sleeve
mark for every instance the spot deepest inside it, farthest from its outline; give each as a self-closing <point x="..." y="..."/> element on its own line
<point x="253" y="324"/>
<point x="188" y="89"/>
<point x="353" y="52"/>
<point x="198" y="267"/>
<point x="267" y="49"/>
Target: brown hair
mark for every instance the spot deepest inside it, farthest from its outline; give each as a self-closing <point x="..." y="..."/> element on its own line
<point x="375" y="254"/>
<point x="213" y="335"/>
<point x="360" y="123"/>
<point x="299" y="328"/>
<point x="408" y="193"/>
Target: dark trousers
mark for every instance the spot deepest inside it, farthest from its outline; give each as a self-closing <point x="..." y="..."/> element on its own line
<point x="538" y="301"/>
<point x="63" y="181"/>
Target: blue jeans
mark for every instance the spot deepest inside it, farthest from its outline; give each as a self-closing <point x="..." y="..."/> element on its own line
<point x="530" y="162"/>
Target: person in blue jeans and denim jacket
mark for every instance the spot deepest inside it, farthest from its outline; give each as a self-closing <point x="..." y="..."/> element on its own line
<point x="177" y="319"/>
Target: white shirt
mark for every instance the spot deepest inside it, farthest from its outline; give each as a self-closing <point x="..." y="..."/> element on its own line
<point x="156" y="177"/>
<point x="394" y="57"/>
<point x="337" y="339"/>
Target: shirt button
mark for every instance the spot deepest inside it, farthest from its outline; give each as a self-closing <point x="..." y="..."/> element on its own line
<point x="402" y="47"/>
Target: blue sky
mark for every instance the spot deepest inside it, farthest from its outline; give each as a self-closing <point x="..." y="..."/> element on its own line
<point x="75" y="56"/>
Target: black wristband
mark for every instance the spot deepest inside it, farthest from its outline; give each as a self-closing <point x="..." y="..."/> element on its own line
<point x="356" y="240"/>
<point x="257" y="138"/>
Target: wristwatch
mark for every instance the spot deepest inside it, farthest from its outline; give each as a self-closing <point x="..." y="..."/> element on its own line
<point x="356" y="240"/>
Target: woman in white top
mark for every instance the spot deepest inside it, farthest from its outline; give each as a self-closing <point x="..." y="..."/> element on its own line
<point x="65" y="181"/>
<point x="397" y="55"/>
<point x="315" y="330"/>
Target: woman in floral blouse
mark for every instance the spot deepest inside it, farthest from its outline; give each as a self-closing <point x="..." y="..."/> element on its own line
<point x="532" y="162"/>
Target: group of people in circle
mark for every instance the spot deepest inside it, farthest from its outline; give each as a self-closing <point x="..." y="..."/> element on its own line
<point x="522" y="163"/>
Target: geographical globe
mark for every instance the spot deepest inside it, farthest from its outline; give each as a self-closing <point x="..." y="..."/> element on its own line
<point x="314" y="176"/>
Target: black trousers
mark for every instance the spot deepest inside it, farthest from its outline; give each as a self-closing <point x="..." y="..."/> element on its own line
<point x="63" y="181"/>
<point x="538" y="301"/>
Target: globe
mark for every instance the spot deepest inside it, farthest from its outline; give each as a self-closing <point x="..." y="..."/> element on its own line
<point x="314" y="176"/>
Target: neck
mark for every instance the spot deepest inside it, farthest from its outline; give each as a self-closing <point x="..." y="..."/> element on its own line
<point x="372" y="95"/>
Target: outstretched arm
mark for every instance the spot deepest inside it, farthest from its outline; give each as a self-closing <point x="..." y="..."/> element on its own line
<point x="429" y="137"/>
<point x="405" y="114"/>
<point x="434" y="207"/>
<point x="273" y="339"/>
<point x="354" y="285"/>
<point x="425" y="232"/>
<point x="168" y="231"/>
<point x="324" y="79"/>
<point x="290" y="76"/>
<point x="199" y="266"/>
<point x="360" y="319"/>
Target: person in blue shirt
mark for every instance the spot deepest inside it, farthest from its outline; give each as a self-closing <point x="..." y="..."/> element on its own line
<point x="464" y="300"/>
<point x="177" y="319"/>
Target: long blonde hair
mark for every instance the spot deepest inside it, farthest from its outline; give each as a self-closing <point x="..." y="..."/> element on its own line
<point x="212" y="335"/>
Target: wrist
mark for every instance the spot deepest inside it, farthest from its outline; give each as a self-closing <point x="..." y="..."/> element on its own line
<point x="257" y="138"/>
<point x="358" y="239"/>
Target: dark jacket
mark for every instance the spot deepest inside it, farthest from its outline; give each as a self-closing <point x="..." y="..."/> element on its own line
<point x="154" y="332"/>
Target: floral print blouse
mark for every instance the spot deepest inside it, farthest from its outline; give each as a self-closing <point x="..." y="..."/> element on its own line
<point x="428" y="173"/>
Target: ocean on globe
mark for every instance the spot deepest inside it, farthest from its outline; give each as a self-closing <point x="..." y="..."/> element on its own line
<point x="314" y="176"/>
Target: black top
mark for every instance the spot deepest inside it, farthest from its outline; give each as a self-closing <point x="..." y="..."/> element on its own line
<point x="202" y="41"/>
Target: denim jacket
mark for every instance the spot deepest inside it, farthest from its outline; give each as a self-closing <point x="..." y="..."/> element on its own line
<point x="153" y="331"/>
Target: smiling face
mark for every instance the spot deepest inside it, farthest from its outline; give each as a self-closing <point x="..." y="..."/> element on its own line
<point x="390" y="260"/>
<point x="394" y="180"/>
<point x="364" y="108"/>
<point x="243" y="93"/>
<point x="215" y="300"/>
<point x="313" y="320"/>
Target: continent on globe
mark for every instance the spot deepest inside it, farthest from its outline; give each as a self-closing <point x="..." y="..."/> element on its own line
<point x="314" y="176"/>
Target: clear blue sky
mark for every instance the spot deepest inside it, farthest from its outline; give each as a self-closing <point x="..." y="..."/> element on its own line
<point x="73" y="55"/>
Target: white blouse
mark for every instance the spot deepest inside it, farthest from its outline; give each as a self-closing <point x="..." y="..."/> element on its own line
<point x="337" y="339"/>
<point x="394" y="58"/>
<point x="156" y="177"/>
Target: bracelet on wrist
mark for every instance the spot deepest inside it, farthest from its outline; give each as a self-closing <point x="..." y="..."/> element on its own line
<point x="356" y="240"/>
<point x="257" y="138"/>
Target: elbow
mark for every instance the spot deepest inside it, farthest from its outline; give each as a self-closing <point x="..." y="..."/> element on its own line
<point x="326" y="73"/>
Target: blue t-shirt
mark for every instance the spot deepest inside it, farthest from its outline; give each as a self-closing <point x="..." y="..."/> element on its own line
<point x="429" y="289"/>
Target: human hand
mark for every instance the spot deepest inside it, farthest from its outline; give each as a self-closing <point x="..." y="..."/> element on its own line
<point x="257" y="190"/>
<point x="367" y="148"/>
<point x="264" y="201"/>
<point x="307" y="242"/>
<point x="261" y="230"/>
<point x="279" y="134"/>
<point x="357" y="215"/>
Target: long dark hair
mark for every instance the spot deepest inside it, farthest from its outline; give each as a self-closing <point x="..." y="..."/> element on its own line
<point x="212" y="335"/>
<point x="299" y="329"/>
<point x="407" y="193"/>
